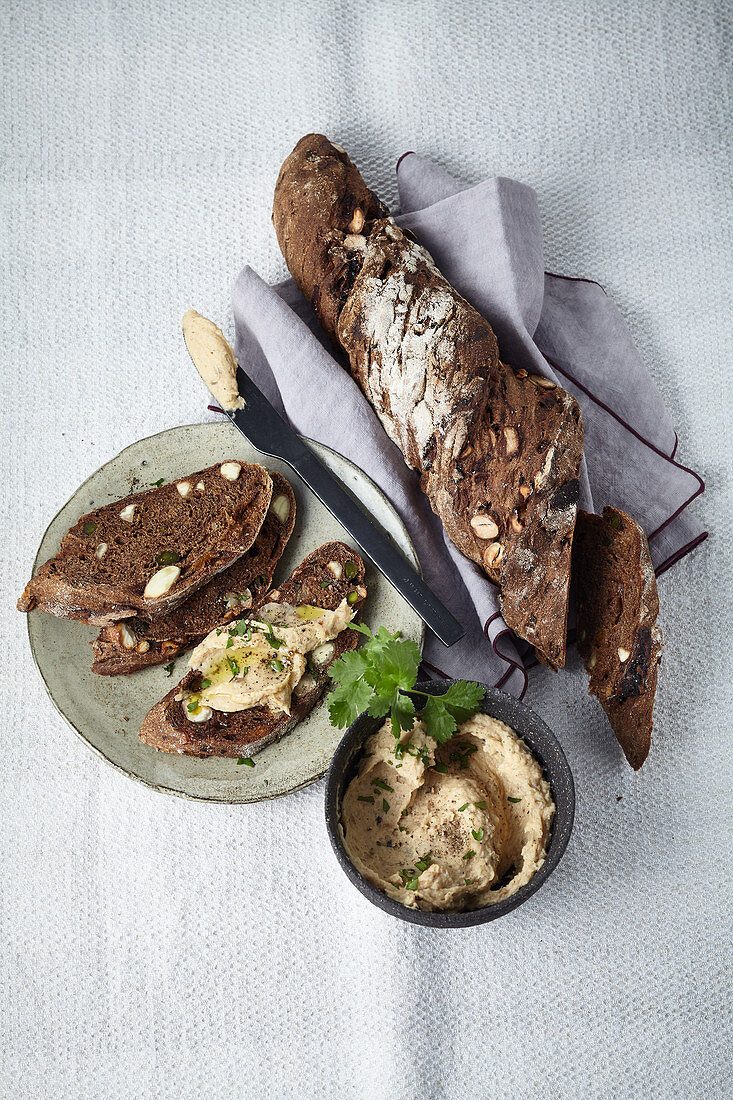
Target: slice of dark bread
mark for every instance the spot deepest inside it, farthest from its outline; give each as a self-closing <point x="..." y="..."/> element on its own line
<point x="244" y="733"/>
<point x="619" y="638"/>
<point x="137" y="643"/>
<point x="108" y="557"/>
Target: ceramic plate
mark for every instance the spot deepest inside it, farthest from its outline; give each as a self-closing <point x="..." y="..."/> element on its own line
<point x="107" y="711"/>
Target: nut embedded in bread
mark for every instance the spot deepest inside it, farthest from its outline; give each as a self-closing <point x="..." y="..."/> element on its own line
<point x="144" y="555"/>
<point x="498" y="452"/>
<point x="137" y="643"/>
<point x="619" y="638"/>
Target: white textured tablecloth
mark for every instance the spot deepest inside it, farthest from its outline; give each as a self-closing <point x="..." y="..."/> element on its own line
<point x="153" y="947"/>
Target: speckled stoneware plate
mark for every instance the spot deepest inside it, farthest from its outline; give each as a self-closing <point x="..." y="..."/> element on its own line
<point x="107" y="711"/>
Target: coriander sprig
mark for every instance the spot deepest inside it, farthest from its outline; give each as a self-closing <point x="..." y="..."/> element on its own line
<point x="380" y="678"/>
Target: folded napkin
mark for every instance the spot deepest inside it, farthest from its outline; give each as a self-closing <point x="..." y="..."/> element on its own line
<point x="487" y="241"/>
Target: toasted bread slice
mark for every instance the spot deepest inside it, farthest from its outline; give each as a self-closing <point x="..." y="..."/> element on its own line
<point x="136" y="643"/>
<point x="147" y="553"/>
<point x="244" y="733"/>
<point x="619" y="638"/>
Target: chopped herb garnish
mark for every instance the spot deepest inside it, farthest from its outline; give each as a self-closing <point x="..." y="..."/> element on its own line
<point x="468" y="881"/>
<point x="205" y="684"/>
<point x="424" y="862"/>
<point x="168" y="669"/>
<point x="381" y="784"/>
<point x="477" y="834"/>
<point x="404" y="813"/>
<point x="470" y="855"/>
<point x="385" y="805"/>
<point x="192" y="706"/>
<point x="402" y="828"/>
<point x="480" y="805"/>
<point x="276" y="666"/>
<point x="442" y="768"/>
<point x="156" y="484"/>
<point x="365" y="798"/>
<point x="514" y="800"/>
<point x="233" y="666"/>
<point x="230" y="643"/>
<point x="248" y="763"/>
<point x="463" y="807"/>
<point x="412" y="883"/>
<point x="326" y="584"/>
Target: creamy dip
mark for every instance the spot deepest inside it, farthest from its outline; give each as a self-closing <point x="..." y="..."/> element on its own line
<point x="454" y="826"/>
<point x="213" y="357"/>
<point x="262" y="661"/>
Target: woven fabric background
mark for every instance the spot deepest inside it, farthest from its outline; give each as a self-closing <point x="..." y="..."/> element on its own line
<point x="153" y="947"/>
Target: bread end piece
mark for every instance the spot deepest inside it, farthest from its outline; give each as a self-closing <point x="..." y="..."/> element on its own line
<point x="619" y="638"/>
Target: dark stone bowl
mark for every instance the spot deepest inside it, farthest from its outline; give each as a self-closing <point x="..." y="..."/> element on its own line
<point x="546" y="748"/>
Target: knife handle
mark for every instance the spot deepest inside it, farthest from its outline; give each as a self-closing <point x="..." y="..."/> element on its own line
<point x="375" y="544"/>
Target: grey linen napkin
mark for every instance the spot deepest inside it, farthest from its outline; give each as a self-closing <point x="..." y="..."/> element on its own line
<point x="487" y="240"/>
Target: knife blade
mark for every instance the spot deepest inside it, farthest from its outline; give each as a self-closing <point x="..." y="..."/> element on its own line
<point x="263" y="426"/>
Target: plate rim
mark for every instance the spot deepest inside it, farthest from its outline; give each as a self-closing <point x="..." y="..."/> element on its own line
<point x="173" y="791"/>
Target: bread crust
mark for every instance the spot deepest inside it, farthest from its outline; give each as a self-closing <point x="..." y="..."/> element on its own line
<point x="164" y="638"/>
<point x="498" y="452"/>
<point x="619" y="637"/>
<point x="207" y="530"/>
<point x="245" y="733"/>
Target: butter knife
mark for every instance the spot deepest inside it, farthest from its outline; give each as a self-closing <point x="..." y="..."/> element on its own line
<point x="263" y="426"/>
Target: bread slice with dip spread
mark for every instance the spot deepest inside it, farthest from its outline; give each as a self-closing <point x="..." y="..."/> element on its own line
<point x="137" y="643"/>
<point x="251" y="681"/>
<point x="619" y="638"/>
<point x="147" y="553"/>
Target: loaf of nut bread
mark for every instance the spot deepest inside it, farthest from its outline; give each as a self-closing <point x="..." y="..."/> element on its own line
<point x="137" y="643"/>
<point x="498" y="452"/>
<point x="332" y="573"/>
<point x="147" y="553"/>
<point x="619" y="638"/>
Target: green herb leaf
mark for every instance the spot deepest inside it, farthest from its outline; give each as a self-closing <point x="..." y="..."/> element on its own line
<point x="463" y="807"/>
<point x="462" y="699"/>
<point x="248" y="763"/>
<point x="469" y="855"/>
<point x="480" y="805"/>
<point x="205" y="684"/>
<point x="424" y="862"/>
<point x="276" y="666"/>
<point x="156" y="484"/>
<point x="477" y="834"/>
<point x="385" y="805"/>
<point x="382" y="785"/>
<point x="439" y="723"/>
<point x="326" y="584"/>
<point x="168" y="669"/>
<point x="192" y="706"/>
<point x="233" y="666"/>
<point x="230" y="643"/>
<point x="514" y="799"/>
<point x="365" y="798"/>
<point x="442" y="768"/>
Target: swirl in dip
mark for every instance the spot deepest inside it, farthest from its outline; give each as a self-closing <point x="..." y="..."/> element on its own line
<point x="454" y="826"/>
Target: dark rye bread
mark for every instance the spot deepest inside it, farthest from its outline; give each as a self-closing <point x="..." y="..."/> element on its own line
<point x="201" y="533"/>
<point x="136" y="643"/>
<point x="618" y="635"/>
<point x="244" y="733"/>
<point x="498" y="452"/>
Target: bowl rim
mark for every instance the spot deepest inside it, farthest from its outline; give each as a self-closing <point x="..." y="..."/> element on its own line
<point x="545" y="747"/>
